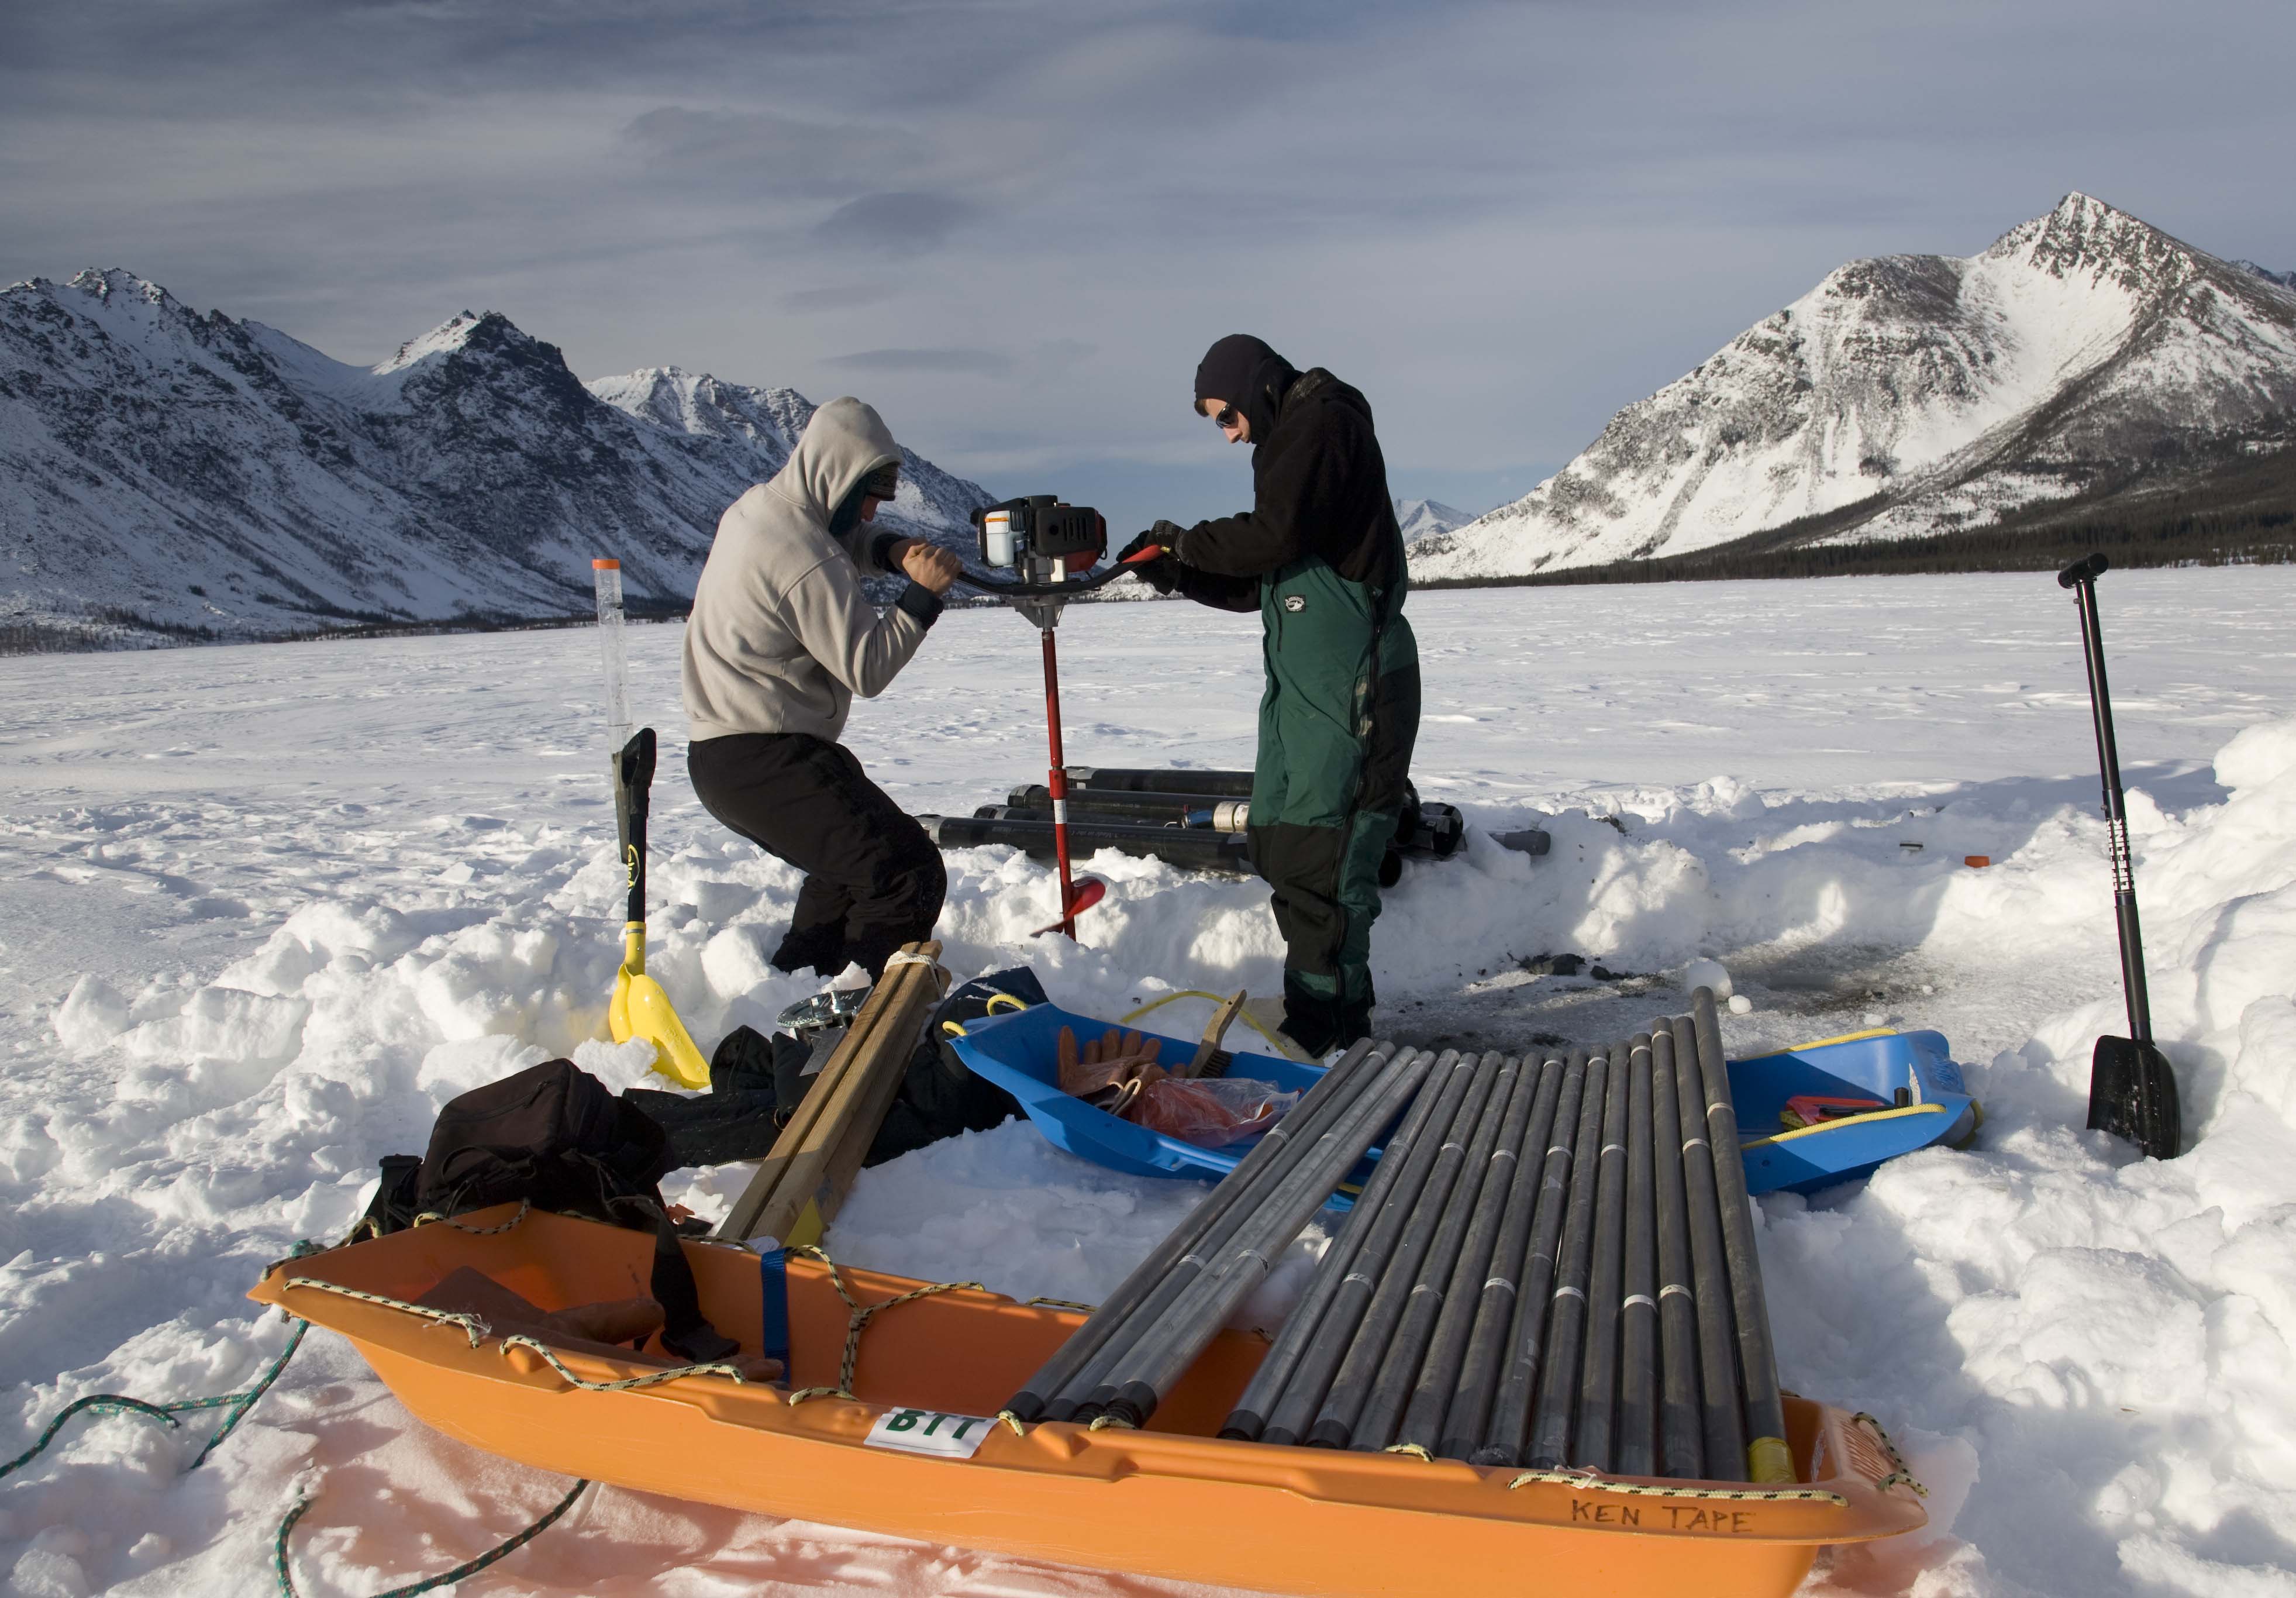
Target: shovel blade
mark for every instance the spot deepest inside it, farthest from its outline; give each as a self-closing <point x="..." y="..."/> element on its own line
<point x="653" y="1017"/>
<point x="2132" y="1094"/>
<point x="618" y="1008"/>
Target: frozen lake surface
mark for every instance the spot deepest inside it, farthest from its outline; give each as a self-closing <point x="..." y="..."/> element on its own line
<point x="271" y="906"/>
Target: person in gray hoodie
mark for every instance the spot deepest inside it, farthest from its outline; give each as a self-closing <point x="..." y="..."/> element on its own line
<point x="780" y="640"/>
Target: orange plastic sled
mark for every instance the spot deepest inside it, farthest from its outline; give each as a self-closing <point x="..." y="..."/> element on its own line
<point x="1171" y="1501"/>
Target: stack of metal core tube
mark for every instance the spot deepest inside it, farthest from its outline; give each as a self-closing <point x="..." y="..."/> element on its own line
<point x="1185" y="817"/>
<point x="1548" y="1267"/>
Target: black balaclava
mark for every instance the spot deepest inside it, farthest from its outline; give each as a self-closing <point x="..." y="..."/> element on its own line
<point x="1249" y="375"/>
<point x="881" y="483"/>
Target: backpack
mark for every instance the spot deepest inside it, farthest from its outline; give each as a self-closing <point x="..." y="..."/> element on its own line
<point x="553" y="1135"/>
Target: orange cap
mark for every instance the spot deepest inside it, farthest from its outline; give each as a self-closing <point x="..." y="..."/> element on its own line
<point x="1979" y="861"/>
<point x="605" y="565"/>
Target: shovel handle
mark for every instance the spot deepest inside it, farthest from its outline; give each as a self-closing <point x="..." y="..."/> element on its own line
<point x="633" y="768"/>
<point x="2081" y="578"/>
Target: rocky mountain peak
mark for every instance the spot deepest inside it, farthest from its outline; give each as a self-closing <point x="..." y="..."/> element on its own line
<point x="1908" y="397"/>
<point x="488" y="332"/>
<point x="2086" y="238"/>
<point x="178" y="473"/>
<point x="118" y="282"/>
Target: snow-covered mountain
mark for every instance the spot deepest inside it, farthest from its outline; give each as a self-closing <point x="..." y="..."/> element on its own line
<point x="1424" y="518"/>
<point x="164" y="470"/>
<point x="1916" y="395"/>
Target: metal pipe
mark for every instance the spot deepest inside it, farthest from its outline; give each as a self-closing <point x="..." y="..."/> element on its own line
<point x="1767" y="1457"/>
<point x="1637" y="1443"/>
<point x="1119" y="779"/>
<point x="1152" y="809"/>
<point x="1598" y="1369"/>
<point x="1086" y="1340"/>
<point x="1443" y="1362"/>
<point x="1723" y="1427"/>
<point x="1163" y="1356"/>
<point x="1089" y="1388"/>
<point x="1305" y="1388"/>
<point x="1469" y="1408"/>
<point x="1679" y="1454"/>
<point x="1351" y="1388"/>
<point x="1510" y="1421"/>
<point x="1198" y="849"/>
<point x="1558" y="1385"/>
<point x="1249" y="1419"/>
<point x="1405" y="1366"/>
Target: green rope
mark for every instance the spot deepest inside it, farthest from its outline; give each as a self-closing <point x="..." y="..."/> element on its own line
<point x="236" y="1405"/>
<point x="279" y="1565"/>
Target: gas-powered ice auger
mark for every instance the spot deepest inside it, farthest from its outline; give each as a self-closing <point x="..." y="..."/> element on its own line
<point x="1054" y="547"/>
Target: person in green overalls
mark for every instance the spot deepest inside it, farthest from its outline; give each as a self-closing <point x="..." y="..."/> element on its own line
<point x="1320" y="557"/>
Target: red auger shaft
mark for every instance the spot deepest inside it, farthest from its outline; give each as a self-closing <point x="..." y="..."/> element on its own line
<point x="1056" y="781"/>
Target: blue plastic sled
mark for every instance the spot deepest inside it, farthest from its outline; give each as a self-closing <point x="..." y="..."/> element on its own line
<point x="1862" y="1065"/>
<point x="1018" y="1051"/>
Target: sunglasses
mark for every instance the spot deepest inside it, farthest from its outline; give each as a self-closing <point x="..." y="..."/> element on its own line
<point x="1225" y="417"/>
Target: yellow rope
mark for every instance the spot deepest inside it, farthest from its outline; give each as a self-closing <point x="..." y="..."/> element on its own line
<point x="1413" y="1449"/>
<point x="1111" y="1422"/>
<point x="476" y="1329"/>
<point x="1058" y="1304"/>
<point x="432" y="1218"/>
<point x="862" y="1316"/>
<point x="1592" y="1482"/>
<point x="1245" y="1016"/>
<point x="1899" y="1471"/>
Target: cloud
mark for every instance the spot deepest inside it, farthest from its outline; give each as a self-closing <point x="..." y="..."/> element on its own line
<point x="904" y="222"/>
<point x="769" y="152"/>
<point x="837" y="297"/>
<point x="978" y="362"/>
<point x="1501" y="221"/>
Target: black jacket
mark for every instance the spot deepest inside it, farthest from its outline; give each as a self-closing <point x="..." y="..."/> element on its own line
<point x="1319" y="487"/>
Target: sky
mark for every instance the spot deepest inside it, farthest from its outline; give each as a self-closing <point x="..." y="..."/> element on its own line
<point x="1014" y="226"/>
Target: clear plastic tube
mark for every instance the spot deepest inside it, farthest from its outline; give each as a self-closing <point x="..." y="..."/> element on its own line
<point x="614" y="652"/>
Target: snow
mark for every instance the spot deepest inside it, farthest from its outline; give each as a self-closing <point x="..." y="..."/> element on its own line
<point x="272" y="905"/>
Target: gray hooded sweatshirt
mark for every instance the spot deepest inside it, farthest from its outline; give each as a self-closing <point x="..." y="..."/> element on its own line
<point x="781" y="638"/>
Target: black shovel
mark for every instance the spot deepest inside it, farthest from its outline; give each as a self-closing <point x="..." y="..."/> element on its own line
<point x="2132" y="1093"/>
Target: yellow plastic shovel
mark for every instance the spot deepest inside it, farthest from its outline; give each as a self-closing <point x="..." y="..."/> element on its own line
<point x="640" y="1008"/>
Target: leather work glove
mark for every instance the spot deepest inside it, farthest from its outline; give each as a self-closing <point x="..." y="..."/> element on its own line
<point x="1161" y="574"/>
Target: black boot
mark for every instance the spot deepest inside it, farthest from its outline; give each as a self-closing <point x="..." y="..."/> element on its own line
<point x="1311" y="1020"/>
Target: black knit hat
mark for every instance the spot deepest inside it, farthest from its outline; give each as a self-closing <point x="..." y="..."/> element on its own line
<point x="884" y="482"/>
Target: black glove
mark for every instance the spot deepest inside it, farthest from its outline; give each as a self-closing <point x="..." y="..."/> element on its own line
<point x="1161" y="574"/>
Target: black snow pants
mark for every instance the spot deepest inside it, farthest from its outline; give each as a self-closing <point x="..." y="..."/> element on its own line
<point x="874" y="880"/>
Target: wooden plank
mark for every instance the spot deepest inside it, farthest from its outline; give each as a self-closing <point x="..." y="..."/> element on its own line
<point x="823" y="1172"/>
<point x="882" y="1086"/>
<point x="785" y="1181"/>
<point x="740" y="1222"/>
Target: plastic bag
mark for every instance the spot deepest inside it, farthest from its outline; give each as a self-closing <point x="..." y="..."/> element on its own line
<point x="1211" y="1112"/>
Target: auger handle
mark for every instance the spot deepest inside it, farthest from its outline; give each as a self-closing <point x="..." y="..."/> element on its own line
<point x="998" y="585"/>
